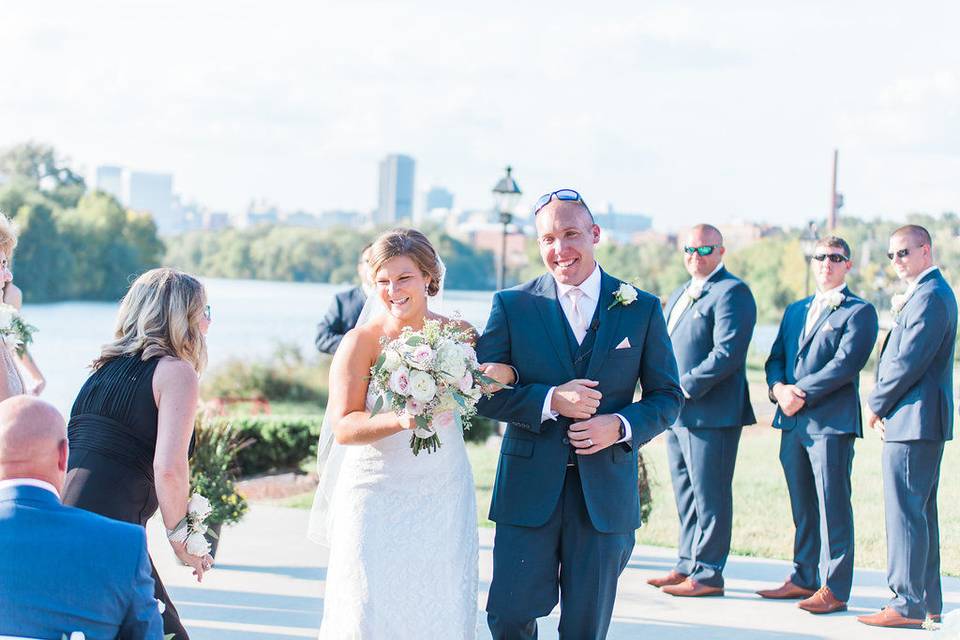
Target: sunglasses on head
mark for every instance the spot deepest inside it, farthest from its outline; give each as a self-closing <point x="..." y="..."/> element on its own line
<point x="703" y="251"/>
<point x="900" y="253"/>
<point x="206" y="313"/>
<point x="832" y="257"/>
<point x="567" y="195"/>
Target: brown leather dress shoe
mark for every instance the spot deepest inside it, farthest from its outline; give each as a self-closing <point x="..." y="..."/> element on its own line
<point x="890" y="618"/>
<point x="788" y="591"/>
<point x="690" y="588"/>
<point x="674" y="577"/>
<point x="823" y="601"/>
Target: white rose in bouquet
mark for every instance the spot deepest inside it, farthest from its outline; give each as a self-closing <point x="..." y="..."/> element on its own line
<point x="452" y="361"/>
<point x="421" y="356"/>
<point x="400" y="381"/>
<point x="391" y="360"/>
<point x="199" y="506"/>
<point x="413" y="407"/>
<point x="7" y="314"/>
<point x="422" y="386"/>
<point x="197" y="544"/>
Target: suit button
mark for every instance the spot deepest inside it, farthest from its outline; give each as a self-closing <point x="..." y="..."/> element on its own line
<point x="565" y="440"/>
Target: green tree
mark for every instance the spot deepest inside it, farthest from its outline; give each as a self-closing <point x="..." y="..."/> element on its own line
<point x="39" y="166"/>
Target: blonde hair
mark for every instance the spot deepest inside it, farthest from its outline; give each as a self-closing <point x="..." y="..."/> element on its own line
<point x="8" y="236"/>
<point x="414" y="245"/>
<point x="160" y="316"/>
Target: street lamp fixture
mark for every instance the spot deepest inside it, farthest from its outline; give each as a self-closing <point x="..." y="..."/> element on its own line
<point x="506" y="196"/>
<point x="808" y="244"/>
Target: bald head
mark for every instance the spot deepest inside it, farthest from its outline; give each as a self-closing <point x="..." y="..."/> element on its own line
<point x="33" y="441"/>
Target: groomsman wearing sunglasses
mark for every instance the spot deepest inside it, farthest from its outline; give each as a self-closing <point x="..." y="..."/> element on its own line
<point x="911" y="407"/>
<point x="813" y="374"/>
<point x="710" y="320"/>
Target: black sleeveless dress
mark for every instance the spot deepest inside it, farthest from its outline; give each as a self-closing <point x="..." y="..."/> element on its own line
<point x="113" y="437"/>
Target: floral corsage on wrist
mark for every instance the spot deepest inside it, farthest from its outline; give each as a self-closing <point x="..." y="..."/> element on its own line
<point x="624" y="295"/>
<point x="192" y="527"/>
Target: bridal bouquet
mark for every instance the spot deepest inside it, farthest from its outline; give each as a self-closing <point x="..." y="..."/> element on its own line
<point x="432" y="375"/>
<point x="193" y="526"/>
<point x="13" y="329"/>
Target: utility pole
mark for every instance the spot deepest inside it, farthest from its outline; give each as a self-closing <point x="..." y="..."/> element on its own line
<point x="836" y="199"/>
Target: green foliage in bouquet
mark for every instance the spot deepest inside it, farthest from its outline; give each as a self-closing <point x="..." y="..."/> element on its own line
<point x="213" y="469"/>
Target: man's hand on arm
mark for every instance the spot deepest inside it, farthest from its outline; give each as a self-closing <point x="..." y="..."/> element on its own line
<point x="790" y="397"/>
<point x="576" y="399"/>
<point x="595" y="434"/>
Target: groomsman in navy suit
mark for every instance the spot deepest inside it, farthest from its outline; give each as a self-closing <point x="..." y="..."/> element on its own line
<point x="565" y="498"/>
<point x="813" y="373"/>
<point x="911" y="407"/>
<point x="710" y="320"/>
<point x="63" y="569"/>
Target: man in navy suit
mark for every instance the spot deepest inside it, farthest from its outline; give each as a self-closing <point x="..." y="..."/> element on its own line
<point x="565" y="498"/>
<point x="911" y="407"/>
<point x="813" y="373"/>
<point x="345" y="310"/>
<point x="63" y="569"/>
<point x="710" y="320"/>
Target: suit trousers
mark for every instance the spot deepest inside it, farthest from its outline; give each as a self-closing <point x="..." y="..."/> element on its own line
<point x="817" y="469"/>
<point x="701" y="466"/>
<point x="531" y="564"/>
<point x="911" y="477"/>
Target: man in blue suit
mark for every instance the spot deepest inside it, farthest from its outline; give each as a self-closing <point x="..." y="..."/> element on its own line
<point x="565" y="498"/>
<point x="344" y="310"/>
<point x="911" y="407"/>
<point x="63" y="569"/>
<point x="813" y="373"/>
<point x="710" y="320"/>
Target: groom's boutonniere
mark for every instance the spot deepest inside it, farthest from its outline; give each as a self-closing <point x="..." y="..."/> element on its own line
<point x="625" y="295"/>
<point x="897" y="302"/>
<point x="834" y="299"/>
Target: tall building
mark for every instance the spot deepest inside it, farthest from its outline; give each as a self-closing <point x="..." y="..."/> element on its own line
<point x="152" y="192"/>
<point x="396" y="189"/>
<point x="439" y="198"/>
<point x="109" y="179"/>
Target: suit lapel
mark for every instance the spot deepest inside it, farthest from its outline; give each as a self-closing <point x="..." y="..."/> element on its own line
<point x="608" y="322"/>
<point x="552" y="316"/>
<point x="816" y="327"/>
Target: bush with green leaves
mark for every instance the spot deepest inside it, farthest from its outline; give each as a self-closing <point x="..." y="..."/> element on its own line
<point x="277" y="443"/>
<point x="214" y="467"/>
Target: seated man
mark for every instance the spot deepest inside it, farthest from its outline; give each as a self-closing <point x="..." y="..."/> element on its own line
<point x="63" y="569"/>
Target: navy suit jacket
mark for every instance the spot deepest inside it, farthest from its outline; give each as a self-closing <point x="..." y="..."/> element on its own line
<point x="342" y="316"/>
<point x="525" y="329"/>
<point x="63" y="569"/>
<point x="826" y="364"/>
<point x="914" y="390"/>
<point x="710" y="341"/>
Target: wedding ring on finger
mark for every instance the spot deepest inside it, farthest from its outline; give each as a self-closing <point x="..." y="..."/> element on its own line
<point x="589" y="442"/>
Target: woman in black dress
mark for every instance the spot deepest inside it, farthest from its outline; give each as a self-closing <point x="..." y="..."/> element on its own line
<point x="131" y="426"/>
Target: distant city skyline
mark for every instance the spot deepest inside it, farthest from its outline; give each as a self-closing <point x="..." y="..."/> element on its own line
<point x="684" y="110"/>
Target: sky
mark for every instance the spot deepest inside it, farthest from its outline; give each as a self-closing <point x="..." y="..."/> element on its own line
<point x="688" y="111"/>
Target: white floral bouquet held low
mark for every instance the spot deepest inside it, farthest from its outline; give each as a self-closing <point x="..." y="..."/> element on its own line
<point x="192" y="527"/>
<point x="431" y="375"/>
<point x="13" y="329"/>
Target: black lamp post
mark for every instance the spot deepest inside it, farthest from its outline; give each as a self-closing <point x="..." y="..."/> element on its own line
<point x="506" y="195"/>
<point x="808" y="243"/>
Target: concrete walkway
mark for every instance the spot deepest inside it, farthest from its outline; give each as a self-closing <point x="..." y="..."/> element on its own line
<point x="269" y="584"/>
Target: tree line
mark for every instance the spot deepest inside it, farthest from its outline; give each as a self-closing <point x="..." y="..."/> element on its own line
<point x="74" y="244"/>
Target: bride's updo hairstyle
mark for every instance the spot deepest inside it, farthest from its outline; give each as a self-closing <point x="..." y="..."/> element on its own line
<point x="414" y="245"/>
<point x="160" y="316"/>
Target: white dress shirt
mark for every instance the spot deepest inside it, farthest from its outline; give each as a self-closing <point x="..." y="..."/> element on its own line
<point x="28" y="482"/>
<point x="579" y="319"/>
<point x="913" y="285"/>
<point x="817" y="305"/>
<point x="685" y="301"/>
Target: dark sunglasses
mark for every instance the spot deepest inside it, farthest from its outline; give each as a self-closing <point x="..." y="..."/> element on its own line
<point x="703" y="251"/>
<point x="568" y="195"/>
<point x="206" y="313"/>
<point x="900" y="253"/>
<point x="832" y="257"/>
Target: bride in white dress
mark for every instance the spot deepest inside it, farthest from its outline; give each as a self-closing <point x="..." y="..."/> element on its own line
<point x="402" y="529"/>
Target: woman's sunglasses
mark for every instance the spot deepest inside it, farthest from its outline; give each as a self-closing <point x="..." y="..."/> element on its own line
<point x="832" y="257"/>
<point x="568" y="195"/>
<point x="703" y="251"/>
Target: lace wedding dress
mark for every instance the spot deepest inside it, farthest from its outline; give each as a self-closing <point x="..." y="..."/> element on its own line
<point x="14" y="382"/>
<point x="403" y="543"/>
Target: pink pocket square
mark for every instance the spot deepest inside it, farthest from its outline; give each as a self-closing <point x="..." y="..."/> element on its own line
<point x="624" y="344"/>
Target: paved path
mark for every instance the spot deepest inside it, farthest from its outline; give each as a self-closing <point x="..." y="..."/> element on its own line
<point x="269" y="582"/>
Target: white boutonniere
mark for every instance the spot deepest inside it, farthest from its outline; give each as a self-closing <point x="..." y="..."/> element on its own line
<point x="694" y="291"/>
<point x="834" y="299"/>
<point x="897" y="302"/>
<point x="624" y="295"/>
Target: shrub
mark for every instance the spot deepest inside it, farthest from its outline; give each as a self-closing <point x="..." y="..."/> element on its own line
<point x="214" y="468"/>
<point x="278" y="442"/>
<point x="285" y="376"/>
<point x="480" y="429"/>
